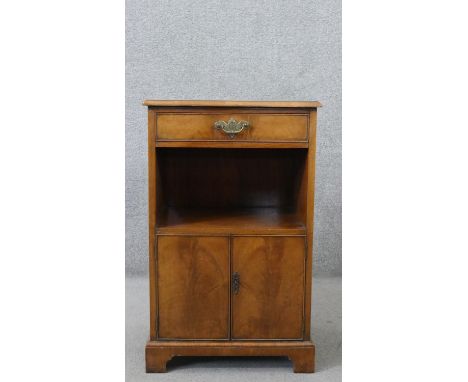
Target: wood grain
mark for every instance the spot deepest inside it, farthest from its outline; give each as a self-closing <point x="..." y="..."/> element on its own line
<point x="193" y="287"/>
<point x="270" y="301"/>
<point x="204" y="103"/>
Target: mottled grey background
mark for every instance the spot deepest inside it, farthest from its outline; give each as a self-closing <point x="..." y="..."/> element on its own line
<point x="235" y="50"/>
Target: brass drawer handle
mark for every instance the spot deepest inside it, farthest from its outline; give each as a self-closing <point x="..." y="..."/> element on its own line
<point x="231" y="127"/>
<point x="235" y="282"/>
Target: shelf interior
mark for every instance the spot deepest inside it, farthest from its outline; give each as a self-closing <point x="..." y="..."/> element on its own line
<point x="231" y="190"/>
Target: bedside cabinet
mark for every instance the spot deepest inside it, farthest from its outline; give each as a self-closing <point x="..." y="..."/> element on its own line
<point x="231" y="207"/>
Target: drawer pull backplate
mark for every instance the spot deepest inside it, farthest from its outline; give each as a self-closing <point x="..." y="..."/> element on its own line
<point x="231" y="127"/>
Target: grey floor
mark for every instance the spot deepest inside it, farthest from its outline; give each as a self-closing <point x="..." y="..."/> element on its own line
<point x="326" y="333"/>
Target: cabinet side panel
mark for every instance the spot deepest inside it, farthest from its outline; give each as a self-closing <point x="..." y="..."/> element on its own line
<point x="152" y="221"/>
<point x="310" y="219"/>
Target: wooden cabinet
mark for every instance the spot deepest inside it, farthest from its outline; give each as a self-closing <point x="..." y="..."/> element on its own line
<point x="230" y="229"/>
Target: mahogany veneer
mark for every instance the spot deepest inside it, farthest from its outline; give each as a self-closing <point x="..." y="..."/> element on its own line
<point x="231" y="203"/>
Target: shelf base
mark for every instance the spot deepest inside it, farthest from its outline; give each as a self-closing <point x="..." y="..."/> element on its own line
<point x="230" y="221"/>
<point x="159" y="353"/>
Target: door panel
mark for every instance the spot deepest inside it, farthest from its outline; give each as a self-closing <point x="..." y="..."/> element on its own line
<point x="269" y="303"/>
<point x="193" y="287"/>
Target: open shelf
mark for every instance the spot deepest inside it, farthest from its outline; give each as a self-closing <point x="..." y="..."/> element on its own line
<point x="260" y="220"/>
<point x="231" y="191"/>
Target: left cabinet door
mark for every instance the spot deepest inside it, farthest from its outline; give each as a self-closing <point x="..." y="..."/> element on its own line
<point x="193" y="287"/>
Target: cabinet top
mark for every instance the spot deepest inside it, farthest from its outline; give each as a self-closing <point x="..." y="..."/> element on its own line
<point x="205" y="103"/>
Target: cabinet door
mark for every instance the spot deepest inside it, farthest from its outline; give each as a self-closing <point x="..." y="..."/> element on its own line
<point x="269" y="301"/>
<point x="193" y="287"/>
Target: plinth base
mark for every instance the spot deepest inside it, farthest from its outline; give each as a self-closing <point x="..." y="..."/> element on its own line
<point x="301" y="353"/>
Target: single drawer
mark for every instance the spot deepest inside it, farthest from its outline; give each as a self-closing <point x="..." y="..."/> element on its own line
<point x="252" y="127"/>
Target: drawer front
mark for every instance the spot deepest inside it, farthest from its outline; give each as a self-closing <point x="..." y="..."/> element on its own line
<point x="260" y="128"/>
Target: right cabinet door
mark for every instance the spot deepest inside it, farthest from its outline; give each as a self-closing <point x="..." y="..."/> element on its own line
<point x="268" y="287"/>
